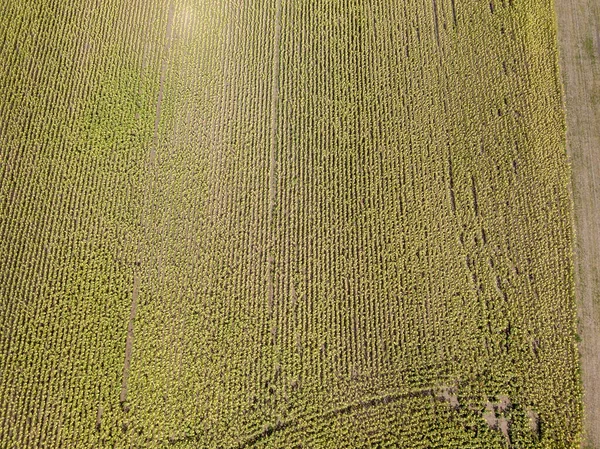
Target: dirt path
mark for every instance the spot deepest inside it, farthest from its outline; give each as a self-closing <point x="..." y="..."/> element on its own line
<point x="579" y="44"/>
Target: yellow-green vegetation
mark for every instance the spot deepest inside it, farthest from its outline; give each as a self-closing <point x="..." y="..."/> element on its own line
<point x="284" y="224"/>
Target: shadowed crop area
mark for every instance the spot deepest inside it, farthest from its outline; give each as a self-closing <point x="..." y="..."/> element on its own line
<point x="285" y="224"/>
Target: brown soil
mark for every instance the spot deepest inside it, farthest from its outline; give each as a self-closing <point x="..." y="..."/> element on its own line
<point x="534" y="420"/>
<point x="99" y="418"/>
<point x="503" y="426"/>
<point x="503" y="403"/>
<point x="490" y="416"/>
<point x="450" y="397"/>
<point x="579" y="45"/>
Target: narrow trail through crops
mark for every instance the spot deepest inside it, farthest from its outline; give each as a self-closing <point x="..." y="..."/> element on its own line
<point x="273" y="145"/>
<point x="129" y="342"/>
<point x="163" y="69"/>
<point x="149" y="187"/>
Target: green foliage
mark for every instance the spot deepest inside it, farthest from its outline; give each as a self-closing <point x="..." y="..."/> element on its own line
<point x="288" y="224"/>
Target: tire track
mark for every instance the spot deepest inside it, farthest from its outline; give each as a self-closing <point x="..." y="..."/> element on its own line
<point x="149" y="189"/>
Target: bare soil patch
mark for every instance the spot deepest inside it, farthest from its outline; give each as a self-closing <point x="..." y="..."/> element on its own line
<point x="490" y="416"/>
<point x="534" y="421"/>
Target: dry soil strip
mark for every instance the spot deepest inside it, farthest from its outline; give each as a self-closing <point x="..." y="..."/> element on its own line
<point x="579" y="45"/>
